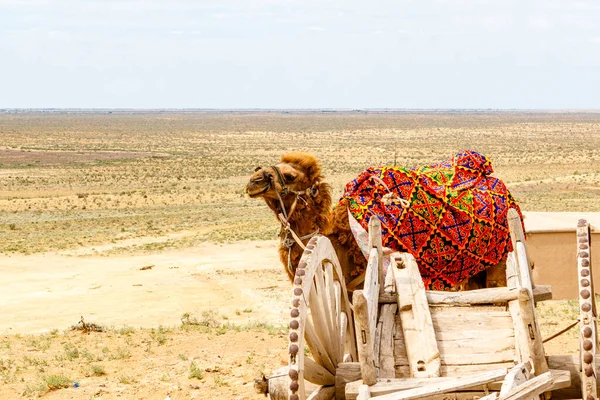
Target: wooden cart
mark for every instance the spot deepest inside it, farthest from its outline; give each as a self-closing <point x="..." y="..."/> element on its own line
<point x="400" y="341"/>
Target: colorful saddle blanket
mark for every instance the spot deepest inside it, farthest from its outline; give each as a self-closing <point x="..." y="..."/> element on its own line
<point x="454" y="224"/>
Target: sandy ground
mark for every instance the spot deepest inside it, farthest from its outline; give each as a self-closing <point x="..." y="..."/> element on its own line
<point x="52" y="291"/>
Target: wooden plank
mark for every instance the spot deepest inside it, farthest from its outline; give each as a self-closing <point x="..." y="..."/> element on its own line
<point x="516" y="377"/>
<point x="502" y="294"/>
<point x="365" y="342"/>
<point x="322" y="393"/>
<point x="375" y="243"/>
<point x="371" y="290"/>
<point x="417" y="325"/>
<point x="517" y="235"/>
<point x="386" y="351"/>
<point x="457" y="319"/>
<point x="363" y="392"/>
<point x="531" y="388"/>
<point x="527" y="334"/>
<point x="570" y="363"/>
<point x="461" y="370"/>
<point x="454" y="384"/>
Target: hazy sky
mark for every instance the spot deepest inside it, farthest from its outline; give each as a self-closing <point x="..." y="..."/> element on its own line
<point x="300" y="54"/>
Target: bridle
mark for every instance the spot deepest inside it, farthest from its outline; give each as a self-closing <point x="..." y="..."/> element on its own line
<point x="284" y="216"/>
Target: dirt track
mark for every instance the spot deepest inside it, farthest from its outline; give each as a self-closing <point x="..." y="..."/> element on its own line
<point x="52" y="291"/>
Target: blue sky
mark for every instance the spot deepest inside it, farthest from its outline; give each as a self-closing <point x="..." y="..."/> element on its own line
<point x="533" y="54"/>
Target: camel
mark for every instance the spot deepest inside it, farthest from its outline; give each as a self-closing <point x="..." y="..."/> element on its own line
<point x="423" y="211"/>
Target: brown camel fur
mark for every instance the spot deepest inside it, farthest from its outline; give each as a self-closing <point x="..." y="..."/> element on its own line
<point x="301" y="173"/>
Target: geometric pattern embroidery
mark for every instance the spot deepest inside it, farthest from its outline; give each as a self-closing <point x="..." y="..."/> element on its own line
<point x="456" y="224"/>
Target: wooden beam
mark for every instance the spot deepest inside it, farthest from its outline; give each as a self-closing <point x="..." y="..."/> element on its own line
<point x="363" y="336"/>
<point x="570" y="363"/>
<point x="516" y="377"/>
<point x="322" y="393"/>
<point x="363" y="392"/>
<point x="452" y="385"/>
<point x="531" y="388"/>
<point x="346" y="372"/>
<point x="417" y="326"/>
<point x="371" y="290"/>
<point x="386" y="345"/>
<point x="471" y="297"/>
<point x="317" y="374"/>
<point x="528" y="338"/>
<point x="375" y="243"/>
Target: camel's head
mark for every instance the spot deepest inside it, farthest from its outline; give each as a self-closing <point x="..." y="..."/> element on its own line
<point x="296" y="172"/>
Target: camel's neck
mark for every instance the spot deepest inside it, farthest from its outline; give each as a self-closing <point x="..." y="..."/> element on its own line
<point x="308" y="215"/>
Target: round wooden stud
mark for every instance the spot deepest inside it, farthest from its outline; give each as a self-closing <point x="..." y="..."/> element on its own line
<point x="585" y="282"/>
<point x="310" y="246"/>
<point x="583" y="246"/>
<point x="296" y="303"/>
<point x="293" y="338"/>
<point x="581" y="233"/>
<point x="294" y="397"/>
<point x="584" y="254"/>
<point x="587" y="332"/>
<point x="307" y="252"/>
<point x="586" y="307"/>
<point x="587" y="345"/>
<point x="294" y="386"/>
<point x="588" y="358"/>
<point x="294" y="313"/>
<point x="294" y="324"/>
<point x="588" y="397"/>
<point x="581" y="223"/>
<point x="294" y="349"/>
<point x="298" y="281"/>
<point x="584" y="272"/>
<point x="302" y="265"/>
<point x="300" y="272"/>
<point x="589" y="370"/>
<point x="298" y="291"/>
<point x="582" y="239"/>
<point x="585" y="263"/>
<point x="293" y="374"/>
<point x="585" y="294"/>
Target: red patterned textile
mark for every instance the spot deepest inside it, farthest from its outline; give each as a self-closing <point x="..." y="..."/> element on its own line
<point x="456" y="224"/>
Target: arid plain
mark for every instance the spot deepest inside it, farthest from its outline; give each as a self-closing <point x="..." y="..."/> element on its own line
<point x="138" y="222"/>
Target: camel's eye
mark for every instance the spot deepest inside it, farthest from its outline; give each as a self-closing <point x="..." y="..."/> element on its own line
<point x="289" y="178"/>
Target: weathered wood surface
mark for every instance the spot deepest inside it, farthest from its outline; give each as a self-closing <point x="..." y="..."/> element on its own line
<point x="517" y="235"/>
<point x="587" y="311"/>
<point x="346" y="372"/>
<point x="417" y="326"/>
<point x="529" y="343"/>
<point x="454" y="384"/>
<point x="365" y="341"/>
<point x="371" y="290"/>
<point x="322" y="393"/>
<point x="515" y="377"/>
<point x="473" y="297"/>
<point x="570" y="363"/>
<point x="386" y="351"/>
<point x="363" y="392"/>
<point x="465" y="337"/>
<point x="375" y="243"/>
<point x="317" y="374"/>
<point x="531" y="388"/>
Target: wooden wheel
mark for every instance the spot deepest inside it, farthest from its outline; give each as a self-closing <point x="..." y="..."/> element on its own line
<point x="587" y="311"/>
<point x="321" y="318"/>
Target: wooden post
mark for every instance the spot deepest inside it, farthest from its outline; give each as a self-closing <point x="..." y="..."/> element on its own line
<point x="528" y="338"/>
<point x="375" y="243"/>
<point x="417" y="326"/>
<point x="587" y="311"/>
<point x="364" y="339"/>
